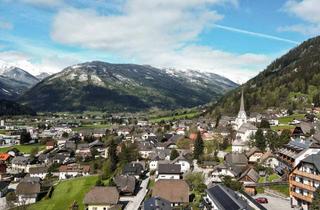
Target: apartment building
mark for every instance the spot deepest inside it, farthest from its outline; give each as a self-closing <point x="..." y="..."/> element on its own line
<point x="304" y="179"/>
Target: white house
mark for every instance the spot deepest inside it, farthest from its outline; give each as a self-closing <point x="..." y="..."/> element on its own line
<point x="73" y="170"/>
<point x="169" y="171"/>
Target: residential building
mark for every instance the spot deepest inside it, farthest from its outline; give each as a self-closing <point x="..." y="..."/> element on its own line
<point x="304" y="180"/>
<point x="169" y="171"/>
<point x="156" y="203"/>
<point x="102" y="198"/>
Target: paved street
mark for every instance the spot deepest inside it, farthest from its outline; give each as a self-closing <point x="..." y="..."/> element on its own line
<point x="275" y="203"/>
<point x="135" y="201"/>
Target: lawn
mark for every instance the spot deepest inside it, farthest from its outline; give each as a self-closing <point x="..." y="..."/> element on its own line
<point x="288" y="119"/>
<point x="176" y="117"/>
<point x="228" y="149"/>
<point x="65" y="193"/>
<point x="282" y="127"/>
<point x="23" y="148"/>
<point x="273" y="177"/>
<point x="283" y="189"/>
<point x="91" y="126"/>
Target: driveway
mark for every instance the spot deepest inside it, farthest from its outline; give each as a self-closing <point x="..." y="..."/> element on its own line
<point x="205" y="171"/>
<point x="135" y="201"/>
<point x="275" y="203"/>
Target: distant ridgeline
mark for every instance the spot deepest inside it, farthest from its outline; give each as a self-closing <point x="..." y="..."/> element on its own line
<point x="10" y="108"/>
<point x="291" y="81"/>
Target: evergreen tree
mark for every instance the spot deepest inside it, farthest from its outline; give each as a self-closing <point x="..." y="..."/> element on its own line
<point x="174" y="154"/>
<point x="260" y="141"/>
<point x="25" y="137"/>
<point x="264" y="124"/>
<point x="198" y="147"/>
<point x="272" y="139"/>
<point x="284" y="137"/>
<point x="316" y="100"/>
<point x="315" y="205"/>
<point x="112" y="154"/>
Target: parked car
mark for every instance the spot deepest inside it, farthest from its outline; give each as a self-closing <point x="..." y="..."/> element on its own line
<point x="262" y="200"/>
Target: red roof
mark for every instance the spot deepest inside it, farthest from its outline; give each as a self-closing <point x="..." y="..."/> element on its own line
<point x="4" y="156"/>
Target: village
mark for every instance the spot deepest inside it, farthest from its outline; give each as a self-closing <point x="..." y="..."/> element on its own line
<point x="260" y="161"/>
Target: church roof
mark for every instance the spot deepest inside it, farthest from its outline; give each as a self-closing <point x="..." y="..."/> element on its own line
<point x="242" y="103"/>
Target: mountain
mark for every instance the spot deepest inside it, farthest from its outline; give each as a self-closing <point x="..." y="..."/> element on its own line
<point x="9" y="108"/>
<point x="290" y="82"/>
<point x="42" y="76"/>
<point x="14" y="81"/>
<point x="124" y="87"/>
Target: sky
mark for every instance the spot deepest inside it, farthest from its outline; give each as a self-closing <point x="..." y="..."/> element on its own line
<point x="234" y="38"/>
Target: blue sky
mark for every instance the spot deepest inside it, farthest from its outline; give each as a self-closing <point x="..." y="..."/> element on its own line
<point x="234" y="38"/>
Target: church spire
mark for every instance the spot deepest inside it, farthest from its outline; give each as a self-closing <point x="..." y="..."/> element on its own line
<point x="242" y="102"/>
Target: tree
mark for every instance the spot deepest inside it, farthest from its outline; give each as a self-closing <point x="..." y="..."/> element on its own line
<point x="232" y="184"/>
<point x="264" y="124"/>
<point x="174" y="154"/>
<point x="196" y="181"/>
<point x="11" y="198"/>
<point x="198" y="147"/>
<point x="112" y="154"/>
<point x="315" y="205"/>
<point x="106" y="169"/>
<point x="129" y="152"/>
<point x="183" y="143"/>
<point x="65" y="135"/>
<point x="284" y="137"/>
<point x="260" y="141"/>
<point x="272" y="139"/>
<point x="25" y="137"/>
<point x="316" y="100"/>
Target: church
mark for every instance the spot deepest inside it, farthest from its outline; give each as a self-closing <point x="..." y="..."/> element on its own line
<point x="244" y="130"/>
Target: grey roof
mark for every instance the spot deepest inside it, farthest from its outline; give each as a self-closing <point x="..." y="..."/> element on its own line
<point x="38" y="170"/>
<point x="246" y="126"/>
<point x="226" y="199"/>
<point x="133" y="169"/>
<point x="21" y="160"/>
<point x="126" y="184"/>
<point x="169" y="169"/>
<point x="251" y="173"/>
<point x="102" y="195"/>
<point x="156" y="203"/>
<point x="236" y="159"/>
<point x="28" y="188"/>
<point x="313" y="159"/>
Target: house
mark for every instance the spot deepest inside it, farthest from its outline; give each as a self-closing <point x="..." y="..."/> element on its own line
<point x="5" y="157"/>
<point x="304" y="179"/>
<point x="50" y="145"/>
<point x="220" y="197"/>
<point x="135" y="169"/>
<point x="237" y="161"/>
<point x="73" y="170"/>
<point x="220" y="171"/>
<point x="28" y="191"/>
<point x="248" y="177"/>
<point x="268" y="159"/>
<point x="40" y="171"/>
<point x="3" y="188"/>
<point x="183" y="162"/>
<point x="21" y="164"/>
<point x="125" y="184"/>
<point x="169" y="171"/>
<point x="254" y="155"/>
<point x="102" y="198"/>
<point x="156" y="203"/>
<point x="172" y="190"/>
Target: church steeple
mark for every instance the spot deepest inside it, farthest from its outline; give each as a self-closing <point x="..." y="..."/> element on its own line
<point x="242" y="102"/>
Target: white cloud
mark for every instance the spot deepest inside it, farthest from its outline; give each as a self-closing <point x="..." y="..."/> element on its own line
<point x="306" y="10"/>
<point x="158" y="33"/>
<point x="49" y="63"/>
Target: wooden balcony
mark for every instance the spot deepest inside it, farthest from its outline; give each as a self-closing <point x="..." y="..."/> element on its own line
<point x="305" y="174"/>
<point x="302" y="186"/>
<point x="302" y="197"/>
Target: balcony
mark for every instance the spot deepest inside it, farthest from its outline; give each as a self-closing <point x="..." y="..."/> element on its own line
<point x="302" y="197"/>
<point x="302" y="186"/>
<point x="305" y="174"/>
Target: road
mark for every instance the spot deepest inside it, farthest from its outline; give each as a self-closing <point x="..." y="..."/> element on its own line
<point x="275" y="203"/>
<point x="135" y="201"/>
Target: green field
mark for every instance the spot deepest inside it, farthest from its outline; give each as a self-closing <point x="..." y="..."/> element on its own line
<point x="283" y="189"/>
<point x="91" y="126"/>
<point x="273" y="177"/>
<point x="24" y="148"/>
<point x="288" y="119"/>
<point x="65" y="193"/>
<point x="175" y="117"/>
<point x="282" y="127"/>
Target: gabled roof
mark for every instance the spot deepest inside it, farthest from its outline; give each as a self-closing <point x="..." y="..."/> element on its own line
<point x="251" y="173"/>
<point x="175" y="191"/>
<point x="226" y="199"/>
<point x="102" y="195"/>
<point x="313" y="159"/>
<point x="169" y="169"/>
<point x="124" y="183"/>
<point x="28" y="188"/>
<point x="156" y="203"/>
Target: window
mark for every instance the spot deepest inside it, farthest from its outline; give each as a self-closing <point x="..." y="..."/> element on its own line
<point x="94" y="208"/>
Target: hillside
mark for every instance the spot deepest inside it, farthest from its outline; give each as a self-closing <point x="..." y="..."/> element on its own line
<point x="291" y="81"/>
<point x="124" y="87"/>
<point x="9" y="108"/>
<point x="14" y="81"/>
